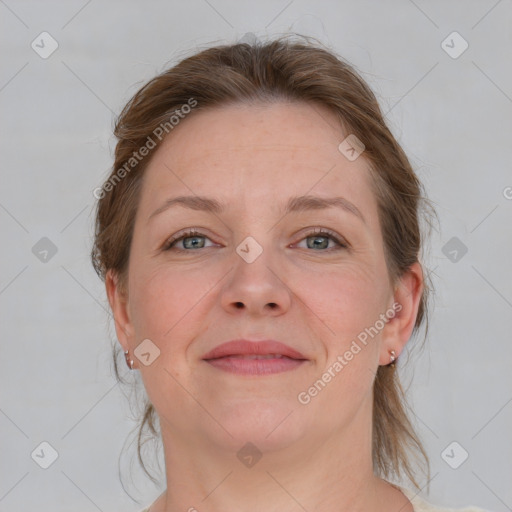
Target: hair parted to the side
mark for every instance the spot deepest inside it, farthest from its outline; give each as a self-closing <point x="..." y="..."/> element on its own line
<point x="287" y="70"/>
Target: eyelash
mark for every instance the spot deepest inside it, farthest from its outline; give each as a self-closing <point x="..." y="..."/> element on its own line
<point x="315" y="232"/>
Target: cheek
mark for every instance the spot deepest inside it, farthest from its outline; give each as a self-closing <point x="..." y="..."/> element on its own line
<point x="168" y="307"/>
<point x="346" y="303"/>
<point x="166" y="299"/>
<point x="349" y="303"/>
<point x="347" y="297"/>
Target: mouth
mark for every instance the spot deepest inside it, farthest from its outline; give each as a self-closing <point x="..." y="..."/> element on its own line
<point x="244" y="357"/>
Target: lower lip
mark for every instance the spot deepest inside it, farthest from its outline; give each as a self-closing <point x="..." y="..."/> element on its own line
<point x="243" y="366"/>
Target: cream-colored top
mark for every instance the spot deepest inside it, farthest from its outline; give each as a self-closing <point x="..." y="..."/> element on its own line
<point x="420" y="505"/>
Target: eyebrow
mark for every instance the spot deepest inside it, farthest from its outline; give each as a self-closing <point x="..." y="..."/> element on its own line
<point x="294" y="205"/>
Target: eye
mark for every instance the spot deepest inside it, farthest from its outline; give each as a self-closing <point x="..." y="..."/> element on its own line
<point x="194" y="239"/>
<point x="191" y="239"/>
<point x="320" y="240"/>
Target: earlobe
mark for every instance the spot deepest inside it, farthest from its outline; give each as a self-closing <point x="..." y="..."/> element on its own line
<point x="119" y="306"/>
<point x="398" y="329"/>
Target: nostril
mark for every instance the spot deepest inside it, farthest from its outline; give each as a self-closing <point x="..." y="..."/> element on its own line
<point x="239" y="305"/>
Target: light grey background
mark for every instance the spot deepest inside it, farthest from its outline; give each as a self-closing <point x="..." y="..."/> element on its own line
<point x="453" y="118"/>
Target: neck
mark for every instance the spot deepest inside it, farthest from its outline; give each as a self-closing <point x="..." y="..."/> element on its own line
<point x="324" y="473"/>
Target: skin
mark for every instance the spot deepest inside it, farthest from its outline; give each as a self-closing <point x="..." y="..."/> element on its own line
<point x="315" y="456"/>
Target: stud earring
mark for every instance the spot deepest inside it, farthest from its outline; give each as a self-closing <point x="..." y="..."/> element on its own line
<point x="129" y="362"/>
<point x="392" y="358"/>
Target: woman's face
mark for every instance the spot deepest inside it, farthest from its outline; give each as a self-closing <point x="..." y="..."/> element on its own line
<point x="313" y="278"/>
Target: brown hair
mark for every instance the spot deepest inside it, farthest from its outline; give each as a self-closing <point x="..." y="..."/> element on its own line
<point x="280" y="70"/>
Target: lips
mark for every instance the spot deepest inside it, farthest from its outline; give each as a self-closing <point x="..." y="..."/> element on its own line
<point x="254" y="358"/>
<point x="254" y="350"/>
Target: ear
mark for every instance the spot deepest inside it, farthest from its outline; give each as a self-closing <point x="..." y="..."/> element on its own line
<point x="398" y="329"/>
<point x="119" y="305"/>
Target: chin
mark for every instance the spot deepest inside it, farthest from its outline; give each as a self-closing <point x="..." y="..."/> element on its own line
<point x="268" y="425"/>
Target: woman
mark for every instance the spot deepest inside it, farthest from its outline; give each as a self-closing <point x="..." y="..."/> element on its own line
<point x="260" y="240"/>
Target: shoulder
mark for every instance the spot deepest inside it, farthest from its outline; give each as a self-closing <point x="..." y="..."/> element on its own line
<point x="420" y="505"/>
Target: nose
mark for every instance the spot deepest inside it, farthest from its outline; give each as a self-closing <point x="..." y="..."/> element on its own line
<point x="258" y="288"/>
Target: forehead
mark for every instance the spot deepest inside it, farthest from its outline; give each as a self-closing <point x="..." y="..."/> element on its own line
<point x="257" y="155"/>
